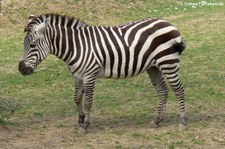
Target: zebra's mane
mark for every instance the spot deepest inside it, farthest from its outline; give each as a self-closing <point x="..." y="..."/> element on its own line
<point x="38" y="20"/>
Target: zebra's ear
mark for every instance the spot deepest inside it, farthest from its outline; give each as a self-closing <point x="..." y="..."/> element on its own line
<point x="31" y="17"/>
<point x="41" y="27"/>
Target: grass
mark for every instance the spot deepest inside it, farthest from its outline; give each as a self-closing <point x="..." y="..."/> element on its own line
<point x="122" y="109"/>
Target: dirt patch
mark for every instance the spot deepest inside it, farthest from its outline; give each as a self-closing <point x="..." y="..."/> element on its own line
<point x="204" y="131"/>
<point x="38" y="134"/>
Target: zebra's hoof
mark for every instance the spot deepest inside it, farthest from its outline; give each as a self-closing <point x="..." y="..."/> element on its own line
<point x="82" y="131"/>
<point x="182" y="127"/>
<point x="153" y="125"/>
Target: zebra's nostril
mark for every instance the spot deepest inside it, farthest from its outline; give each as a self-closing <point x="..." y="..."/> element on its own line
<point x="23" y="69"/>
<point x="21" y="66"/>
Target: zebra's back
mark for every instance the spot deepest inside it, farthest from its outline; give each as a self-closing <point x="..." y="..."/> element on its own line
<point x="127" y="50"/>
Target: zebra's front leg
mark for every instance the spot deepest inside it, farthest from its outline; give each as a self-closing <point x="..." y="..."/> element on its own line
<point x="89" y="85"/>
<point x="79" y="90"/>
<point x="162" y="91"/>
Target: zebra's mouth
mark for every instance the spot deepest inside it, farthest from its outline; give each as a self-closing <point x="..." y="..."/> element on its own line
<point x="24" y="70"/>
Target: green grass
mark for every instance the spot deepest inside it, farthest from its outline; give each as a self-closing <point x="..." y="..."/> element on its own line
<point x="122" y="109"/>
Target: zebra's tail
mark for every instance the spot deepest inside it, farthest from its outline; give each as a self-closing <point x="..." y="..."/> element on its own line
<point x="180" y="45"/>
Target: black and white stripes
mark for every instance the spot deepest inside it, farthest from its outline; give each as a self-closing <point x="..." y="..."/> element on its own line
<point x="123" y="51"/>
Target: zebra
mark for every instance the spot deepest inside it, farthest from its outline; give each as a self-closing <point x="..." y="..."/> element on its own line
<point x="90" y="52"/>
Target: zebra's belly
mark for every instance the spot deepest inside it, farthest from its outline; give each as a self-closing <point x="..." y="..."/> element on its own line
<point x="116" y="74"/>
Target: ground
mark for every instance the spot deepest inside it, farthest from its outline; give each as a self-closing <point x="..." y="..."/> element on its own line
<point x="62" y="133"/>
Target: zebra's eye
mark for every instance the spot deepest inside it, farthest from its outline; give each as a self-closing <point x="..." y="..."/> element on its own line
<point x="33" y="44"/>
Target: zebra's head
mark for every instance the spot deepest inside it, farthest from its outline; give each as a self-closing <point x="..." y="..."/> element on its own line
<point x="35" y="46"/>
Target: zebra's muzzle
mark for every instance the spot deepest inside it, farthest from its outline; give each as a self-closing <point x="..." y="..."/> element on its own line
<point x="24" y="70"/>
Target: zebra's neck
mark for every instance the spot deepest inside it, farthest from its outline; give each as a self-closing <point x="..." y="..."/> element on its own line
<point x="62" y="35"/>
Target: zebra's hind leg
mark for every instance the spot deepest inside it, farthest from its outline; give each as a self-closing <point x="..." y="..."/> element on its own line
<point x="162" y="91"/>
<point x="171" y="73"/>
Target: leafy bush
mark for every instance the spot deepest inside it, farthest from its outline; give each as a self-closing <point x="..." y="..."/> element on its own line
<point x="7" y="108"/>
